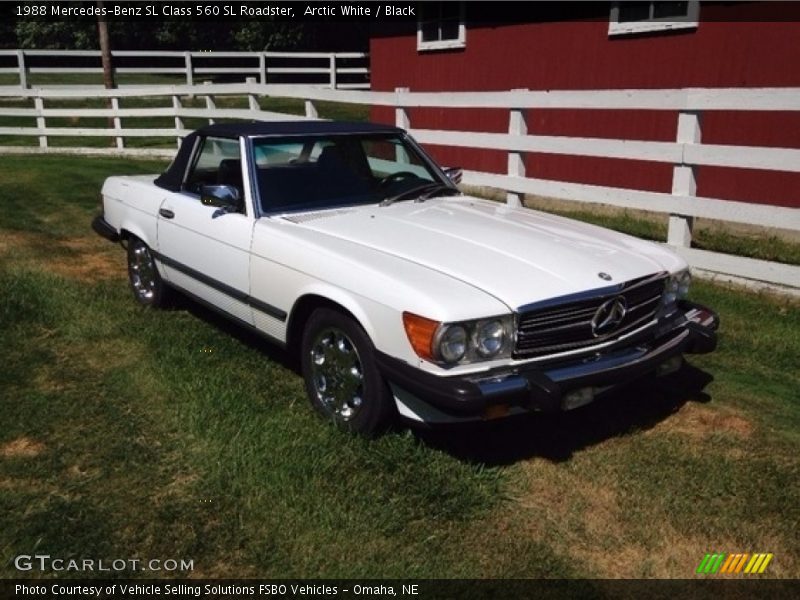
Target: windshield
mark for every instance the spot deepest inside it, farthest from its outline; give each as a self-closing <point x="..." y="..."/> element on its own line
<point x="320" y="171"/>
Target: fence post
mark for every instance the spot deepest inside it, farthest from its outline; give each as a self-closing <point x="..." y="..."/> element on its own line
<point x="262" y="67"/>
<point x="176" y="104"/>
<point x="187" y="60"/>
<point x="684" y="180"/>
<point x="210" y="105"/>
<point x="516" y="160"/>
<point x="252" y="101"/>
<point x="23" y="70"/>
<point x="332" y="61"/>
<point x="38" y="103"/>
<point x="117" y="122"/>
<point x="401" y="118"/>
<point x="311" y="110"/>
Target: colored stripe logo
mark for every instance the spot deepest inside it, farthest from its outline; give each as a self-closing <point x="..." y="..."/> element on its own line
<point x="750" y="564"/>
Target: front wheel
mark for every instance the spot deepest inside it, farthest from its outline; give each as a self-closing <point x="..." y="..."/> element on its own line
<point x="146" y="283"/>
<point x="341" y="378"/>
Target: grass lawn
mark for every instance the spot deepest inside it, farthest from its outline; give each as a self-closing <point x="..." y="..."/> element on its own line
<point x="48" y="79"/>
<point x="144" y="434"/>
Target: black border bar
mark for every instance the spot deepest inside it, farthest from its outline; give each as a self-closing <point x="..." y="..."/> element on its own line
<point x="372" y="11"/>
<point x="709" y="587"/>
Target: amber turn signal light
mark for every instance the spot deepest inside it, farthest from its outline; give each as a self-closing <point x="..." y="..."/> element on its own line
<point x="420" y="332"/>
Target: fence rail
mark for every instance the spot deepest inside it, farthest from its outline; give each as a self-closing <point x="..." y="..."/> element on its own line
<point x="337" y="70"/>
<point x="685" y="154"/>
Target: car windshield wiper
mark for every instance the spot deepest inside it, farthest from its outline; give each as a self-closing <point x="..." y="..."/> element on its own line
<point x="420" y="193"/>
<point x="440" y="190"/>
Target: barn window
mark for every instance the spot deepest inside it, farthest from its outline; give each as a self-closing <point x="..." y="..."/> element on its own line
<point x="643" y="17"/>
<point x="441" y="26"/>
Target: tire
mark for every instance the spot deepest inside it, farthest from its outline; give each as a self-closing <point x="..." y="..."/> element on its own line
<point x="341" y="378"/>
<point x="146" y="284"/>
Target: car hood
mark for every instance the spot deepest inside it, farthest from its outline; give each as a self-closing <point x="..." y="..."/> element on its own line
<point x="517" y="255"/>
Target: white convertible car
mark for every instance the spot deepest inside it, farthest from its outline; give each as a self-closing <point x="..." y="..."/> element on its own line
<point x="347" y="244"/>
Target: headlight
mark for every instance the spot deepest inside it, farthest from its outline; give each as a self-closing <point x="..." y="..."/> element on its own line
<point x="677" y="287"/>
<point x="670" y="292"/>
<point x="684" y="281"/>
<point x="462" y="342"/>
<point x="452" y="343"/>
<point x="490" y="337"/>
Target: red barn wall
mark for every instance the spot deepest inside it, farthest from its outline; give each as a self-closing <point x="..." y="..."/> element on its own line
<point x="572" y="55"/>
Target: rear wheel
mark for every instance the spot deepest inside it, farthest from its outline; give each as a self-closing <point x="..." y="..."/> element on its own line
<point x="340" y="375"/>
<point x="146" y="283"/>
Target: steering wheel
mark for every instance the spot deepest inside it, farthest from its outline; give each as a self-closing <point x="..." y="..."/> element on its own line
<point x="398" y="176"/>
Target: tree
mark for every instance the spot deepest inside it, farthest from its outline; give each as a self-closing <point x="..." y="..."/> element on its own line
<point x="105" y="57"/>
<point x="265" y="34"/>
<point x="81" y="33"/>
<point x="105" y="48"/>
<point x="75" y="34"/>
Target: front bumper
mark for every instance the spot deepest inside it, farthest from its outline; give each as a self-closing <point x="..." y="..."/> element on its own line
<point x="101" y="227"/>
<point x="553" y="387"/>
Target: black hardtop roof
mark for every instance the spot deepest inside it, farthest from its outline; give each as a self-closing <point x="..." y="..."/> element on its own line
<point x="172" y="178"/>
<point x="307" y="127"/>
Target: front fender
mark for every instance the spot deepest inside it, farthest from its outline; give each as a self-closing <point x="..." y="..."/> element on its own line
<point x="381" y="323"/>
<point x="130" y="228"/>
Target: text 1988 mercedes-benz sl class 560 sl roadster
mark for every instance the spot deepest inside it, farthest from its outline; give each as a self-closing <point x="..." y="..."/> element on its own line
<point x="345" y="242"/>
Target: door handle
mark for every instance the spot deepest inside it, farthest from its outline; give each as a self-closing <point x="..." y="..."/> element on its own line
<point x="166" y="213"/>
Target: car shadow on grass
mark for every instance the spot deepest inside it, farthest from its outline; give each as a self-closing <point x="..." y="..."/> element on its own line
<point x="637" y="406"/>
<point x="245" y="335"/>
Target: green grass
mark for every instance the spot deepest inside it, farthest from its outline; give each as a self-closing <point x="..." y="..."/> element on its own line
<point x="763" y="246"/>
<point x="170" y="434"/>
<point x="45" y="79"/>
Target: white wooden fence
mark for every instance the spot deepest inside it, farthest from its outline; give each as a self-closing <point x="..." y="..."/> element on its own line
<point x="342" y="70"/>
<point x="686" y="153"/>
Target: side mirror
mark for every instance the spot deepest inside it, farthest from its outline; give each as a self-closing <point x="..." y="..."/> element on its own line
<point x="226" y="197"/>
<point x="454" y="174"/>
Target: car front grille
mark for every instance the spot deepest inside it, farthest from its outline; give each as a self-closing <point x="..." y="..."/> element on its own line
<point x="564" y="326"/>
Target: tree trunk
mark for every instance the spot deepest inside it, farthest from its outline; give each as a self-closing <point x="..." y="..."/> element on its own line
<point x="105" y="49"/>
<point x="105" y="55"/>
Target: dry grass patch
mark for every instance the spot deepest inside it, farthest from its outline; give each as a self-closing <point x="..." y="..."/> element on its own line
<point x="548" y="492"/>
<point x="590" y="522"/>
<point x="13" y="240"/>
<point x="697" y="422"/>
<point x="22" y="447"/>
<point x="86" y="258"/>
<point x="554" y="507"/>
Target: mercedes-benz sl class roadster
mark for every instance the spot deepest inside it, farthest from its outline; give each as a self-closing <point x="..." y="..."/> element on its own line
<point x="402" y="296"/>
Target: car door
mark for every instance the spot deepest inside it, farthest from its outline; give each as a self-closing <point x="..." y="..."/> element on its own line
<point x="206" y="250"/>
